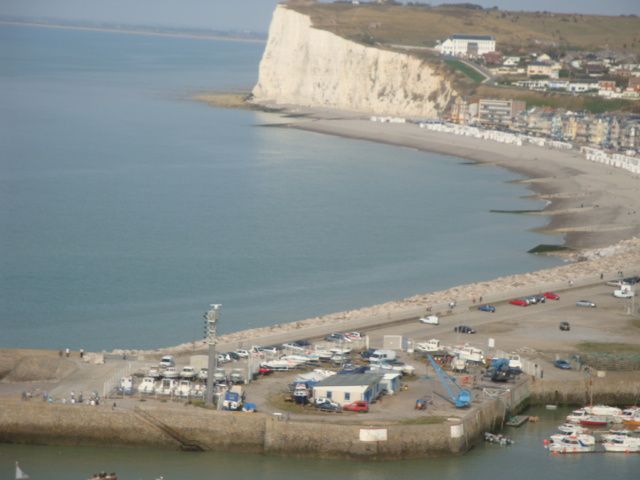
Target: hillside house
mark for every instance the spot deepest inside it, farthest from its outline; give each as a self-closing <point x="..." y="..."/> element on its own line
<point x="461" y="45"/>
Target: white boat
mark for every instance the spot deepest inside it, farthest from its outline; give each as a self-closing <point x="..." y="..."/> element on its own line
<point x="577" y="415"/>
<point x="622" y="443"/>
<point x="153" y="373"/>
<point x="188" y="372"/>
<point x="603" y="410"/>
<point x="432" y="345"/>
<point x="203" y="374"/>
<point x="167" y="386"/>
<point x="184" y="388"/>
<point x="20" y="475"/>
<point x="628" y="413"/>
<point x="571" y="429"/>
<point x="126" y="385"/>
<point x="468" y="353"/>
<point x="573" y="444"/>
<point x="584" y="438"/>
<point x="148" y="385"/>
<point x="170" y="372"/>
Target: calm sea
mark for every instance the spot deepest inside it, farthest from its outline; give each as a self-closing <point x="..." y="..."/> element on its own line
<point x="126" y="208"/>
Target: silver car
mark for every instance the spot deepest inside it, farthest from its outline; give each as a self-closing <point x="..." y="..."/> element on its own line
<point x="585" y="303"/>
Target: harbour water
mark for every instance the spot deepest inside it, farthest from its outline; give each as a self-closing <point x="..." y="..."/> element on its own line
<point x="527" y="459"/>
<point x="127" y="208"/>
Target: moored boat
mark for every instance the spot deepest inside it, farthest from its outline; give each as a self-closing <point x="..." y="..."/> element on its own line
<point x="594" y="421"/>
<point x="584" y="438"/>
<point x="573" y="444"/>
<point x="622" y="443"/>
<point x="571" y="429"/>
<point x="576" y="416"/>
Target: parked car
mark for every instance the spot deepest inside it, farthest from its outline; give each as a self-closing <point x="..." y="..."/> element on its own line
<point x="361" y="406"/>
<point x="464" y="329"/>
<point x="234" y="356"/>
<point x="551" y="296"/>
<point x="367" y="353"/>
<point x="329" y="406"/>
<point x="487" y="308"/>
<point x="585" y="303"/>
<point x="562" y="364"/>
<point x="430" y="320"/>
<point x="153" y="373"/>
<point x="336" y="337"/>
<point x="302" y="343"/>
<point x="353" y="336"/>
<point x="242" y="353"/>
<point x="520" y="302"/>
<point x="564" y="326"/>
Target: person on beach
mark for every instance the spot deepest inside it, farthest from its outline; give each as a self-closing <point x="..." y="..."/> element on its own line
<point x="82" y="353"/>
<point x="67" y="352"/>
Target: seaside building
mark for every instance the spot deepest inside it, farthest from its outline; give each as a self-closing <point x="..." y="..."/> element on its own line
<point x="349" y="388"/>
<point x="496" y="112"/>
<point x="461" y="45"/>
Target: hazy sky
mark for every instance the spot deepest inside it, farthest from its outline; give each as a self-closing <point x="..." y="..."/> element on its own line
<point x="248" y="14"/>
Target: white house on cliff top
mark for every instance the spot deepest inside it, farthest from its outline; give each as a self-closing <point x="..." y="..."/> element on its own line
<point x="460" y="45"/>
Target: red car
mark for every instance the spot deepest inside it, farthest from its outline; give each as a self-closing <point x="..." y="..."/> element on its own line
<point x="358" y="406"/>
<point x="521" y="302"/>
<point x="551" y="296"/>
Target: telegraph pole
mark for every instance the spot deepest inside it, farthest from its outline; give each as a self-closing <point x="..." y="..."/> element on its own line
<point x="210" y="322"/>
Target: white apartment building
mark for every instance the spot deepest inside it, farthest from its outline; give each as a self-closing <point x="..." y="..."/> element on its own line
<point x="460" y="45"/>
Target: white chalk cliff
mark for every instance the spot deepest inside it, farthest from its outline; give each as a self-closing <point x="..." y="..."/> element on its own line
<point x="303" y="65"/>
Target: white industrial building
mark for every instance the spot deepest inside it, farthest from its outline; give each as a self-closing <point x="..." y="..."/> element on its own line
<point x="460" y="45"/>
<point x="349" y="388"/>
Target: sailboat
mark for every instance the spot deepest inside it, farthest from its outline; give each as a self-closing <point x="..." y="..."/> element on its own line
<point x="20" y="475"/>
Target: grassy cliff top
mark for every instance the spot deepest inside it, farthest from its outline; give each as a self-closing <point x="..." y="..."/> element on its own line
<point x="514" y="31"/>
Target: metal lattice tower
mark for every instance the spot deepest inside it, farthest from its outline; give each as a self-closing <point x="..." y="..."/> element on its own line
<point x="210" y="323"/>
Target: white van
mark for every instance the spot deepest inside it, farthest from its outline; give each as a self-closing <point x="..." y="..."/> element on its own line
<point x="430" y="320"/>
<point x="167" y="361"/>
<point x="381" y="355"/>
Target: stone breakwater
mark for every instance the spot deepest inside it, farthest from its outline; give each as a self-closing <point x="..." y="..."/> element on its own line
<point x="585" y="269"/>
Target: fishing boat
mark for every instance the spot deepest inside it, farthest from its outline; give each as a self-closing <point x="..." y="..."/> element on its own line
<point x="573" y="444"/>
<point x="634" y="420"/>
<point x="622" y="443"/>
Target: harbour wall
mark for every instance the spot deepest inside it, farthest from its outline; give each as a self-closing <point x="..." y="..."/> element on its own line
<point x="174" y="427"/>
<point x="615" y="388"/>
<point x="35" y="422"/>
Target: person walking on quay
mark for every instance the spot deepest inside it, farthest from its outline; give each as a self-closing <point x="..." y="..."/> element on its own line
<point x="82" y="353"/>
<point x="67" y="352"/>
